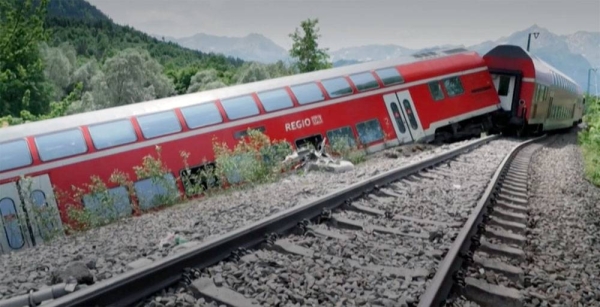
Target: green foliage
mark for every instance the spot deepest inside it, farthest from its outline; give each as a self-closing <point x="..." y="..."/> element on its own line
<point x="306" y="48"/>
<point x="255" y="159"/>
<point x="22" y="82"/>
<point x="346" y="148"/>
<point x="589" y="139"/>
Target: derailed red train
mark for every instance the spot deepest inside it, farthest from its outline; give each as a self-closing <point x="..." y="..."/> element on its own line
<point x="427" y="96"/>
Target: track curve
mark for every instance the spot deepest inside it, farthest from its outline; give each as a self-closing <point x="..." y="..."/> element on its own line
<point x="359" y="233"/>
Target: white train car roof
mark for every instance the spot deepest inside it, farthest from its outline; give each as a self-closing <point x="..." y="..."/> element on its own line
<point x="170" y="103"/>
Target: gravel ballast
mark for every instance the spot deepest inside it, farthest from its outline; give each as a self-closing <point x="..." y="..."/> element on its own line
<point x="446" y="193"/>
<point x="564" y="239"/>
<point x="108" y="250"/>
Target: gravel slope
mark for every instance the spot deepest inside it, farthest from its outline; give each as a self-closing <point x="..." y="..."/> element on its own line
<point x="564" y="239"/>
<point x="108" y="250"/>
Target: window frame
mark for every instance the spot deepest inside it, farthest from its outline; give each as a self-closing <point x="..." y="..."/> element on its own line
<point x="305" y="84"/>
<point x="391" y="68"/>
<point x="110" y="122"/>
<point x="287" y="94"/>
<point x="187" y="123"/>
<point x="180" y="129"/>
<point x="223" y="104"/>
<point x="40" y="150"/>
<point x="29" y="154"/>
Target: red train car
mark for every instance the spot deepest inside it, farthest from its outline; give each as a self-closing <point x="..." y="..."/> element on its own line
<point x="408" y="99"/>
<point x="534" y="95"/>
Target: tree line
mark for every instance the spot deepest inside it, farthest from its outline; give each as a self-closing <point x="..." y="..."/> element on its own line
<point x="53" y="66"/>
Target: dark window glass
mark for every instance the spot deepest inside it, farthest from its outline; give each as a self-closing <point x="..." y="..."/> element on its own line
<point x="341" y="137"/>
<point x="12" y="230"/>
<point x="398" y="117"/>
<point x="337" y="87"/>
<point x="369" y="131"/>
<point x="153" y="192"/>
<point x="389" y="76"/>
<point x="503" y="87"/>
<point x="364" y="81"/>
<point x="159" y="124"/>
<point x="307" y="93"/>
<point x="201" y="115"/>
<point x="275" y="100"/>
<point x="240" y="107"/>
<point x="242" y="133"/>
<point x="14" y="154"/>
<point x="436" y="90"/>
<point x="411" y="115"/>
<point x="112" y="134"/>
<point x="61" y="144"/>
<point x="110" y="204"/>
<point x="453" y="86"/>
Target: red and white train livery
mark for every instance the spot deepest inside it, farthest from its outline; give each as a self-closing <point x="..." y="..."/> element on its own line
<point x="378" y="104"/>
<point x="534" y="95"/>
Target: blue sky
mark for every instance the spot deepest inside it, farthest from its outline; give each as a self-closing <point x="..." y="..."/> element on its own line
<point x="345" y="23"/>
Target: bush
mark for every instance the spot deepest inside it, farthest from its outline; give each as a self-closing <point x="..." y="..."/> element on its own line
<point x="589" y="140"/>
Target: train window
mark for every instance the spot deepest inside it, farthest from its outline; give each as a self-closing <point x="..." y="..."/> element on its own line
<point x="201" y="115"/>
<point x="369" y="131"/>
<point x="411" y="115"/>
<point x="389" y="76"/>
<point x="364" y="81"/>
<point x="14" y="154"/>
<point x="341" y="137"/>
<point x="504" y="85"/>
<point x="110" y="204"/>
<point x="398" y="117"/>
<point x="242" y="133"/>
<point x="453" y="86"/>
<point x="313" y="140"/>
<point x="159" y="124"/>
<point x="275" y="100"/>
<point x="337" y="87"/>
<point x="10" y="219"/>
<point x="307" y="93"/>
<point x="153" y="192"/>
<point x="60" y="144"/>
<point x="240" y="107"/>
<point x="112" y="134"/>
<point x="436" y="90"/>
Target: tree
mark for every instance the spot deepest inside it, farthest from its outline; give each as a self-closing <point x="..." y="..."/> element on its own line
<point x="22" y="81"/>
<point x="306" y="48"/>
<point x="251" y="73"/>
<point x="204" y="80"/>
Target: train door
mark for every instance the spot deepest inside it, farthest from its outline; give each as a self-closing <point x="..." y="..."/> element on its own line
<point x="28" y="213"/>
<point x="411" y="117"/>
<point x="505" y="85"/>
<point x="398" y="119"/>
<point x="41" y="207"/>
<point x="15" y="233"/>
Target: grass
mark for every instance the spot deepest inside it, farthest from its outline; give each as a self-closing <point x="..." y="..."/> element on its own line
<point x="589" y="140"/>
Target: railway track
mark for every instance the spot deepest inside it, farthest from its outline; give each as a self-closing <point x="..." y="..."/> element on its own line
<point x="483" y="266"/>
<point x="393" y="240"/>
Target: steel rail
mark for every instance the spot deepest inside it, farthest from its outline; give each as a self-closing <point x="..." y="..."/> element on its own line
<point x="444" y="279"/>
<point x="133" y="286"/>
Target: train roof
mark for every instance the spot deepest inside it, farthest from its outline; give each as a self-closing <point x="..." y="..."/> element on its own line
<point x="542" y="71"/>
<point x="170" y="103"/>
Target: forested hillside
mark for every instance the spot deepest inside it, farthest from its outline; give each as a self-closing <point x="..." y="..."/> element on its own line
<point x="62" y="57"/>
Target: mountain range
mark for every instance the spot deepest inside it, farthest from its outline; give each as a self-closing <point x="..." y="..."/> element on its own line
<point x="573" y="54"/>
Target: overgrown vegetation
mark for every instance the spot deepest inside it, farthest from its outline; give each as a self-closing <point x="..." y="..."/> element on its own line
<point x="589" y="139"/>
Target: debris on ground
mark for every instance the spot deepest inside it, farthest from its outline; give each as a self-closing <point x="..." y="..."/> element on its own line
<point x="311" y="159"/>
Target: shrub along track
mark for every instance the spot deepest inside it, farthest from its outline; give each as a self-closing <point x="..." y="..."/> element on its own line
<point x="378" y="241"/>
